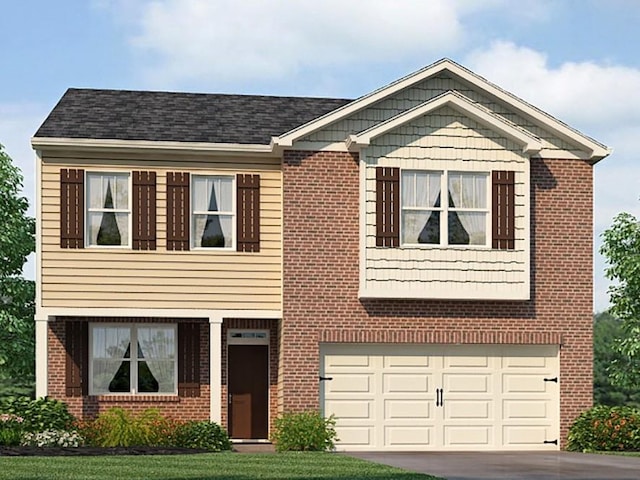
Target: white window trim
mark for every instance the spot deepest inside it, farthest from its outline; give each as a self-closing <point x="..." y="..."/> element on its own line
<point x="232" y="213"/>
<point x="248" y="337"/>
<point x="133" y="327"/>
<point x="444" y="209"/>
<point x="129" y="211"/>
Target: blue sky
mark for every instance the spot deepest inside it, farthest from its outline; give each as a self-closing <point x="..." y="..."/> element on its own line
<point x="576" y="59"/>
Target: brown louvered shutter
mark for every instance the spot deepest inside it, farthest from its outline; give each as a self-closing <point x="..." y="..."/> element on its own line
<point x="189" y="359"/>
<point x="144" y="210"/>
<point x="77" y="358"/>
<point x="248" y="216"/>
<point x="71" y="208"/>
<point x="387" y="207"/>
<point x="503" y="209"/>
<point x="178" y="211"/>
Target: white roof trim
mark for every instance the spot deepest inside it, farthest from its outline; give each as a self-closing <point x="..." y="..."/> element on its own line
<point x="459" y="102"/>
<point x="595" y="150"/>
<point x="137" y="145"/>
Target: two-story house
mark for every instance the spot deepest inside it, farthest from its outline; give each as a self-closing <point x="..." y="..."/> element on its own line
<point x="416" y="262"/>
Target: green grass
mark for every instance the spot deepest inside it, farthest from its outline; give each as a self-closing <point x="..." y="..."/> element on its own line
<point x="289" y="466"/>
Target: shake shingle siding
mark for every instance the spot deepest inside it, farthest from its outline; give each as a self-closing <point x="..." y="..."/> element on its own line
<point x="180" y="117"/>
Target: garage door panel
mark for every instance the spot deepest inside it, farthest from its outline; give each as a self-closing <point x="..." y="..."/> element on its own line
<point x="344" y="383"/>
<point x="347" y="361"/>
<point x="457" y="360"/>
<point x="523" y="383"/>
<point x="467" y="383"/>
<point x="407" y="409"/>
<point x="349" y="409"/>
<point x="458" y="436"/>
<point x="468" y="410"/>
<point x="407" y="436"/>
<point x="406" y="383"/>
<point x="521" y="409"/>
<point x="401" y="361"/>
<point x="361" y="436"/>
<point x="527" y="436"/>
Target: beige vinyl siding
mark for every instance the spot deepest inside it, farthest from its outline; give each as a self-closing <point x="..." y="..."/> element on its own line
<point x="420" y="93"/>
<point x="446" y="140"/>
<point x="197" y="279"/>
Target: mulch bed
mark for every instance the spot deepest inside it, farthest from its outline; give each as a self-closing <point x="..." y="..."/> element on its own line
<point x="94" y="451"/>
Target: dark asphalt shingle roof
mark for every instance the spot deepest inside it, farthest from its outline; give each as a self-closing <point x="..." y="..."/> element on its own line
<point x="182" y="117"/>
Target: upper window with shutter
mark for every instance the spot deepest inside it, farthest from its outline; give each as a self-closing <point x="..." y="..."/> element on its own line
<point x="445" y="208"/>
<point x="107" y="209"/>
<point x="213" y="212"/>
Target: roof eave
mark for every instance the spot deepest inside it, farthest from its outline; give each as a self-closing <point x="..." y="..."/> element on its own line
<point x="56" y="143"/>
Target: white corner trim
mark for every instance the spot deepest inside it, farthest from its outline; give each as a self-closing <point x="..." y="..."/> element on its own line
<point x="462" y="104"/>
<point x="51" y="143"/>
<point x="42" y="360"/>
<point x="38" y="299"/>
<point x="215" y="372"/>
<point x="362" y="231"/>
<point x="595" y="150"/>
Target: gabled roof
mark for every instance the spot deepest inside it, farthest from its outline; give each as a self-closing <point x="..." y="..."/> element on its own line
<point x="179" y="117"/>
<point x="530" y="143"/>
<point x="594" y="149"/>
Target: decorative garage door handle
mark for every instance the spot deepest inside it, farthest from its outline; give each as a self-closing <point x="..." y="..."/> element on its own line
<point x="439" y="397"/>
<point x="322" y="379"/>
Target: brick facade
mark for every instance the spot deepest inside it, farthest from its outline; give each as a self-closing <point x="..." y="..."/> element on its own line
<point x="321" y="271"/>
<point x="173" y="406"/>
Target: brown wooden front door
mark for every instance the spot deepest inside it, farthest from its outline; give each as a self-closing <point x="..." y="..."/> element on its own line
<point x="248" y="372"/>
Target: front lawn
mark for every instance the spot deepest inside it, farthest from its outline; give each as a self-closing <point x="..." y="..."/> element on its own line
<point x="234" y="466"/>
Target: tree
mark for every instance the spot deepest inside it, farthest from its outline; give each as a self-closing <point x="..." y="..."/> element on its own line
<point x="606" y="332"/>
<point x="17" y="305"/>
<point x="621" y="247"/>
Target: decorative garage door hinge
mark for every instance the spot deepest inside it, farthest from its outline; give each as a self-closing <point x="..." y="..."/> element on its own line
<point x="322" y="379"/>
<point x="555" y="442"/>
<point x="554" y="379"/>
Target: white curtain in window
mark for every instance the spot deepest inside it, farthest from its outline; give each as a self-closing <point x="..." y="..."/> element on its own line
<point x="99" y="186"/>
<point x="469" y="190"/>
<point x="420" y="192"/>
<point x="212" y="194"/>
<point x="158" y="347"/>
<point x="109" y="346"/>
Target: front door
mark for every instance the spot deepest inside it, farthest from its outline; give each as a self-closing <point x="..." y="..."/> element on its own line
<point x="248" y="391"/>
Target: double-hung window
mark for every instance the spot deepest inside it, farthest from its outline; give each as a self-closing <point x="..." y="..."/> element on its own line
<point x="213" y="213"/>
<point x="444" y="208"/>
<point x="108" y="209"/>
<point x="133" y="359"/>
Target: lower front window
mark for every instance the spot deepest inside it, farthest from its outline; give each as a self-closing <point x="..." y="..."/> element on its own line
<point x="133" y="359"/>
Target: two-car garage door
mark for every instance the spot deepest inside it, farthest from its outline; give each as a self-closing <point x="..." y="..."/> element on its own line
<point x="438" y="397"/>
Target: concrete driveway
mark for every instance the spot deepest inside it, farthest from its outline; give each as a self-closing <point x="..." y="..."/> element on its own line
<point x="512" y="465"/>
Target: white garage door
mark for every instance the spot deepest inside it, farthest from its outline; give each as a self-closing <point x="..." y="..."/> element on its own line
<point x="427" y="397"/>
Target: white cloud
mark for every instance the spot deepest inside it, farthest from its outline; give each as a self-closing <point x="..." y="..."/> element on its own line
<point x="229" y="41"/>
<point x="602" y="100"/>
<point x="585" y="94"/>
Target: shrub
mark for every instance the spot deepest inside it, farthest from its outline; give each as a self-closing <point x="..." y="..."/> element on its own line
<point x="39" y="415"/>
<point x="205" y="435"/>
<point x="604" y="428"/>
<point x="52" y="438"/>
<point x="11" y="429"/>
<point x="306" y="431"/>
<point x="120" y="428"/>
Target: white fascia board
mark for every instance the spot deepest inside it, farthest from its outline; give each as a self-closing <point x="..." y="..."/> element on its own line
<point x="596" y="151"/>
<point x="462" y="104"/>
<point x="216" y="315"/>
<point x="51" y="143"/>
